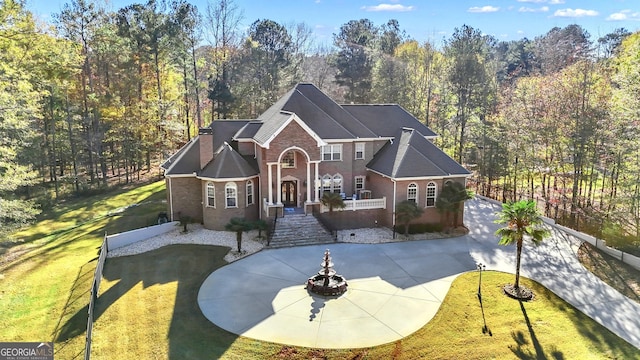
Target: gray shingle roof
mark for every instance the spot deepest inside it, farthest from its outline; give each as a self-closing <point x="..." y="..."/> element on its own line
<point x="410" y="155"/>
<point x="229" y="164"/>
<point x="225" y="130"/>
<point x="186" y="161"/>
<point x="385" y="119"/>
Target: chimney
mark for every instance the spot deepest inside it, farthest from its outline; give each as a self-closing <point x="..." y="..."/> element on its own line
<point x="206" y="145"/>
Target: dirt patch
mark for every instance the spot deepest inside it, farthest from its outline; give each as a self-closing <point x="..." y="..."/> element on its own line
<point x="620" y="276"/>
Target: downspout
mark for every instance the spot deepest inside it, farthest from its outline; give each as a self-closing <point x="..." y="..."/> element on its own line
<point x="393" y="210"/>
<point x="170" y="200"/>
<point x="260" y="202"/>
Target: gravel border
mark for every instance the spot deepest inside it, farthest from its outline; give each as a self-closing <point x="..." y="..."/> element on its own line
<point x="198" y="235"/>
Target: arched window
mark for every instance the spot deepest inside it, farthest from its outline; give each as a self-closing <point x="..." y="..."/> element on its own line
<point x="412" y="192"/>
<point x="431" y="194"/>
<point x="327" y="181"/>
<point x="211" y="194"/>
<point x="249" y="192"/>
<point x="231" y="193"/>
<point x="337" y="183"/>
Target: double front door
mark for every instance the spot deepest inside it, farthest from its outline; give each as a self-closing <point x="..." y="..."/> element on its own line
<point x="289" y="193"/>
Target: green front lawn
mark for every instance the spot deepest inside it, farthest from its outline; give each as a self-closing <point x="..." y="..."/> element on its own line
<point x="148" y="308"/>
<point x="46" y="274"/>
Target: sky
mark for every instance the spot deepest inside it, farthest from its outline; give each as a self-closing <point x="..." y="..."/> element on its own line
<point x="424" y="20"/>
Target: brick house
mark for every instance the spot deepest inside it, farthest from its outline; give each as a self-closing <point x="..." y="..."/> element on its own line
<point x="306" y="144"/>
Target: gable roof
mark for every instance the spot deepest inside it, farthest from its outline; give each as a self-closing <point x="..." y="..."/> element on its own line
<point x="229" y="164"/>
<point x="411" y="155"/>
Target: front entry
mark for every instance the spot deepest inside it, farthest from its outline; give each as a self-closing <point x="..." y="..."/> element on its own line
<point x="289" y="193"/>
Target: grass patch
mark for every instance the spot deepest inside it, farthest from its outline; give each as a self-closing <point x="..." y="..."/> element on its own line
<point x="620" y="276"/>
<point x="149" y="309"/>
<point x="46" y="271"/>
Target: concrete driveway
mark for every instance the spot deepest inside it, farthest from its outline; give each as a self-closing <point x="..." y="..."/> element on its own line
<point x="394" y="288"/>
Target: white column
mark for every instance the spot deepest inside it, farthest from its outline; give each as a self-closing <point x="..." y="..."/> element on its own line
<point x="270" y="183"/>
<point x="308" y="182"/>
<point x="278" y="190"/>
<point x="316" y="184"/>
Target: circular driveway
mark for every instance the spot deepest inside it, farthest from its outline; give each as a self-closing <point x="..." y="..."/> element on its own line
<point x="394" y="289"/>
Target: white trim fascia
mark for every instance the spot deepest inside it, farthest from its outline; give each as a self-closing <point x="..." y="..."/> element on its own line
<point x="294" y="117"/>
<point x="357" y="139"/>
<point x="379" y="173"/>
<point x="181" y="175"/>
<point x="227" y="179"/>
<point x="418" y="178"/>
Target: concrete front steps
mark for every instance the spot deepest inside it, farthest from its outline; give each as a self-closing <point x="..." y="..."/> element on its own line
<point x="299" y="230"/>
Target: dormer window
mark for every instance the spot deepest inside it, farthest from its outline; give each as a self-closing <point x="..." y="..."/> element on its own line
<point x="288" y="160"/>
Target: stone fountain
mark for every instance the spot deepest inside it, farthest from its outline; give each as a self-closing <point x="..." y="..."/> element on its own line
<point x="326" y="282"/>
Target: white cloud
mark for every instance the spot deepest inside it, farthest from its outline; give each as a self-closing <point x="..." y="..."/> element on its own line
<point x="484" y="9"/>
<point x="574" y="13"/>
<point x="556" y="2"/>
<point x="624" y="15"/>
<point x="389" y="7"/>
<point x="528" y="9"/>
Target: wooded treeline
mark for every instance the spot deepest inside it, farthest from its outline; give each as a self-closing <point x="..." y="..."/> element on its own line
<point x="97" y="96"/>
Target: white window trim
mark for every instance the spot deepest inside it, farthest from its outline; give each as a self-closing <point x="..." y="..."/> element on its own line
<point x="230" y="185"/>
<point x="213" y="187"/>
<point x="355" y="182"/>
<point x="333" y="183"/>
<point x="322" y="181"/>
<point x="249" y="188"/>
<point x="417" y="192"/>
<point x="333" y="149"/>
<point x="361" y="150"/>
<point x="434" y="186"/>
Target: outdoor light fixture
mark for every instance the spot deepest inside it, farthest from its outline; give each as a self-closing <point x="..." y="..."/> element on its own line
<point x="480" y="268"/>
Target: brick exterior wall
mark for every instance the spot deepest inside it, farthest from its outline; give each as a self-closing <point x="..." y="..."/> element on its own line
<point x="215" y="218"/>
<point x="344" y="220"/>
<point x="381" y="186"/>
<point x="186" y="197"/>
<point x="206" y="146"/>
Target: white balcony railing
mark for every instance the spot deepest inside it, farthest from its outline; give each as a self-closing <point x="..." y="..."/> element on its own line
<point x="355" y="205"/>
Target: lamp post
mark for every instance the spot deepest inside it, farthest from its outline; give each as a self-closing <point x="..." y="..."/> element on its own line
<point x="480" y="268"/>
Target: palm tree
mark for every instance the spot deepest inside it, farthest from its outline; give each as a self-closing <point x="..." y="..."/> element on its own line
<point x="406" y="211"/>
<point x="260" y="225"/>
<point x="522" y="218"/>
<point x="239" y="225"/>
<point x="449" y="202"/>
<point x="333" y="201"/>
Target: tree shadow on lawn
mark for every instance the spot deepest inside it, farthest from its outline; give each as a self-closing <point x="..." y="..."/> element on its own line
<point x="521" y="341"/>
<point x="601" y="337"/>
<point x="191" y="335"/>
